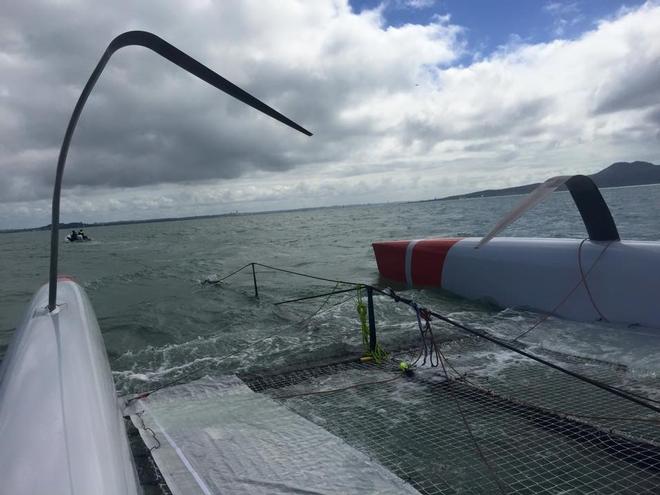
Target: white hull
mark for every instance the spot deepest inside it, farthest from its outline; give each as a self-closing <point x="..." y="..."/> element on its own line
<point x="61" y="430"/>
<point x="619" y="281"/>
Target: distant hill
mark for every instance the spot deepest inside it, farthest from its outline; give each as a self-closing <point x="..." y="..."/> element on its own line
<point x="616" y="175"/>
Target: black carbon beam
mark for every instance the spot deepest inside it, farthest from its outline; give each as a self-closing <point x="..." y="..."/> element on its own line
<point x="177" y="57"/>
<point x="595" y="214"/>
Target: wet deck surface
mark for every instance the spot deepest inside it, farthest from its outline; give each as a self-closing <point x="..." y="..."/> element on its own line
<point x="493" y="422"/>
<point x="520" y="428"/>
<point x="216" y="435"/>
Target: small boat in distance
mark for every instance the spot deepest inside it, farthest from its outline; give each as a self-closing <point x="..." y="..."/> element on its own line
<point x="79" y="236"/>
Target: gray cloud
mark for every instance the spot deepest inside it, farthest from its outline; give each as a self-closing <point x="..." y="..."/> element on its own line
<point x="146" y="123"/>
<point x="640" y="89"/>
<point x="384" y="104"/>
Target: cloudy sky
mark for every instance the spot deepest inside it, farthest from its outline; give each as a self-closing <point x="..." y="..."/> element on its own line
<point x="407" y="99"/>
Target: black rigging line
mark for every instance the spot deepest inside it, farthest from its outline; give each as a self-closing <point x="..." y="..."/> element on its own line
<point x="631" y="396"/>
<point x="479" y="333"/>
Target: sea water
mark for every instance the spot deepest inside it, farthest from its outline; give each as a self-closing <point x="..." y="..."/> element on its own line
<point x="160" y="322"/>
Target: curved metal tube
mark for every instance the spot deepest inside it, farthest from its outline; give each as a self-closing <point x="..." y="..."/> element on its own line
<point x="174" y="55"/>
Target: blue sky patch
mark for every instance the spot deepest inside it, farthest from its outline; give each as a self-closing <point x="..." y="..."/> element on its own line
<point x="490" y="24"/>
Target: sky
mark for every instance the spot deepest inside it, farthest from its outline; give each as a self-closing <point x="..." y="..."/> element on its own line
<point x="407" y="100"/>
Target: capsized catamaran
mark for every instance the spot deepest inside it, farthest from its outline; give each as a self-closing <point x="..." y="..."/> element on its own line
<point x="61" y="427"/>
<point x="598" y="278"/>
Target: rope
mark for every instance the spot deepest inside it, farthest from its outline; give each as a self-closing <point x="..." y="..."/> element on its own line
<point x="582" y="281"/>
<point x="433" y="347"/>
<point x="630" y="396"/>
<point x="584" y="277"/>
<point x="214" y="282"/>
<point x="318" y="310"/>
<point x="637" y="399"/>
<point x="480" y="452"/>
<point x="149" y="430"/>
<point x="306" y="275"/>
<point x="426" y="333"/>
<point x="316" y="296"/>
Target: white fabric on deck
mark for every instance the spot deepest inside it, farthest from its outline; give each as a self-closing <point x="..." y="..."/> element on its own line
<point x="218" y="436"/>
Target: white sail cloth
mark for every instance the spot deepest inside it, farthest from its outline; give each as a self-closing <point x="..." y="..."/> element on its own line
<point x="218" y="436"/>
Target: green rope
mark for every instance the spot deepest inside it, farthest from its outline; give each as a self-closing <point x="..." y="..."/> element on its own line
<point x="378" y="354"/>
<point x="362" y="314"/>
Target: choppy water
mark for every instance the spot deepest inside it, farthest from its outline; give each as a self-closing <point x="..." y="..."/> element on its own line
<point x="158" y="321"/>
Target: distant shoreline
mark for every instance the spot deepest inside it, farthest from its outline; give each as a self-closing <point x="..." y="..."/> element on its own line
<point x="83" y="225"/>
<point x="617" y="175"/>
<point x="80" y="225"/>
<point x="510" y="195"/>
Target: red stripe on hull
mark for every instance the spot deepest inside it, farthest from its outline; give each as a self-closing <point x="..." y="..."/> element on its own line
<point x="391" y="259"/>
<point x="428" y="258"/>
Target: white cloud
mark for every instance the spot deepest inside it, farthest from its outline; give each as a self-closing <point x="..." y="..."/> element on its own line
<point x="565" y="14"/>
<point x="419" y="4"/>
<point x="393" y="119"/>
<point x="561" y="8"/>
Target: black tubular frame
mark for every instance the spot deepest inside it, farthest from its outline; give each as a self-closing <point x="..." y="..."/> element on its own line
<point x="177" y="57"/>
<point x="595" y="214"/>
